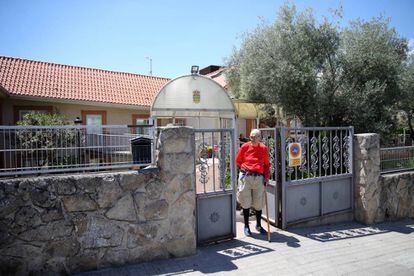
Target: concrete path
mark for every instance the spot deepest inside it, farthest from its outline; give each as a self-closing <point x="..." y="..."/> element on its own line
<point x="342" y="249"/>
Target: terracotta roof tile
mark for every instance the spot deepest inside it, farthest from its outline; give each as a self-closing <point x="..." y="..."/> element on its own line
<point x="218" y="76"/>
<point x="22" y="77"/>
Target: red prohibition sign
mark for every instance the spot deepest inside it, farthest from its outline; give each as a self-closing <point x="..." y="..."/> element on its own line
<point x="294" y="150"/>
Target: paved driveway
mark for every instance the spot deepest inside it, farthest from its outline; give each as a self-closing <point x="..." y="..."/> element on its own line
<point x="342" y="249"/>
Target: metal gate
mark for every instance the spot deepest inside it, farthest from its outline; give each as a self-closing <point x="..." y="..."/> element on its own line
<point x="321" y="185"/>
<point x="215" y="183"/>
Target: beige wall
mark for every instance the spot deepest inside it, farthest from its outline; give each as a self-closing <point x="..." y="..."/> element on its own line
<point x="114" y="116"/>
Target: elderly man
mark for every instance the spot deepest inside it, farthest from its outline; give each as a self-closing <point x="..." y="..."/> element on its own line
<point x="253" y="162"/>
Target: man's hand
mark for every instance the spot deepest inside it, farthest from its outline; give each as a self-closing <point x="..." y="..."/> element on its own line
<point x="265" y="182"/>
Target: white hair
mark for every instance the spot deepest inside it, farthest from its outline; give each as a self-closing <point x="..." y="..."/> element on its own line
<point x="255" y="132"/>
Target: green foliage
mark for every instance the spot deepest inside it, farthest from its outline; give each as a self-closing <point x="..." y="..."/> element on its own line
<point x="372" y="57"/>
<point x="40" y="119"/>
<point x="323" y="75"/>
<point x="407" y="100"/>
<point x="46" y="146"/>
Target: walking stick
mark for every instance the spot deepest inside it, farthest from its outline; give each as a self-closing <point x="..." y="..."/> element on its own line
<point x="267" y="216"/>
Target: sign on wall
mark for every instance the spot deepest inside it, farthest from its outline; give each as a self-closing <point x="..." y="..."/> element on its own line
<point x="295" y="153"/>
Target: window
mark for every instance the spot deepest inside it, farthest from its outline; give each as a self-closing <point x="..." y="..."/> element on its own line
<point x="95" y="118"/>
<point x="101" y="117"/>
<point x="165" y="121"/>
<point x="179" y="122"/>
<point x="20" y="111"/>
<point x="94" y="134"/>
<point x="95" y="121"/>
<point x="141" y="120"/>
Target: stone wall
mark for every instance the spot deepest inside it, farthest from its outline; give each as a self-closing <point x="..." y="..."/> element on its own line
<point x="379" y="197"/>
<point x="397" y="196"/>
<point x="71" y="223"/>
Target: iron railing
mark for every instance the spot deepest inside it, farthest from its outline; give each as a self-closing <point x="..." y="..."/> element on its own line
<point x="213" y="160"/>
<point x="397" y="159"/>
<point x="326" y="152"/>
<point x="51" y="149"/>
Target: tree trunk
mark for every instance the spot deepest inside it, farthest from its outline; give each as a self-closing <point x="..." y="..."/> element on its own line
<point x="410" y="125"/>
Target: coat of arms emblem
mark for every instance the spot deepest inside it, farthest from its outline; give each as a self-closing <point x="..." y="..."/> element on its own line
<point x="196" y="96"/>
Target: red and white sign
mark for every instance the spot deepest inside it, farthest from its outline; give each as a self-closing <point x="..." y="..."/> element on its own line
<point x="295" y="154"/>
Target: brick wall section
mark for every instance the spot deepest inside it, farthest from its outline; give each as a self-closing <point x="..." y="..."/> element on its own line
<point x="71" y="223"/>
<point x="379" y="197"/>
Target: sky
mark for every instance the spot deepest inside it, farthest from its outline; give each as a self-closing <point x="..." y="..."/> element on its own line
<point x="125" y="35"/>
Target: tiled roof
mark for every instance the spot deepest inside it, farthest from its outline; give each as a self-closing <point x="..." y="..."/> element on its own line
<point x="218" y="76"/>
<point x="22" y="77"/>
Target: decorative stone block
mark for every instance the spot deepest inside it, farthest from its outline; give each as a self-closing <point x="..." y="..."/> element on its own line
<point x="66" y="188"/>
<point x="156" y="210"/>
<point x="78" y="203"/>
<point x="101" y="233"/>
<point x="123" y="209"/>
<point x="48" y="232"/>
<point x="108" y="193"/>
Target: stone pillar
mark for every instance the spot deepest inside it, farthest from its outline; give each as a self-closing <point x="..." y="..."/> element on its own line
<point x="367" y="178"/>
<point x="176" y="162"/>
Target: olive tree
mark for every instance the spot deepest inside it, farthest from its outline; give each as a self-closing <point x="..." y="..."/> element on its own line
<point x="407" y="99"/>
<point x="324" y="75"/>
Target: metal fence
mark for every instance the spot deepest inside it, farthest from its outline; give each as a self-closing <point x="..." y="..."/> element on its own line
<point x="397" y="159"/>
<point x="326" y="152"/>
<point x="396" y="140"/>
<point x="50" y="149"/>
<point x="213" y="159"/>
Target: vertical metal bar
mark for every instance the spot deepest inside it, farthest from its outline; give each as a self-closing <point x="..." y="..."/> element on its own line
<point x="36" y="148"/>
<point x="203" y="145"/>
<point x="283" y="160"/>
<point x="308" y="154"/>
<point x="57" y="145"/>
<point x="276" y="177"/>
<point x="222" y="160"/>
<point x="351" y="145"/>
<point x="213" y="156"/>
<point x="341" y="151"/>
<point x="11" y="152"/>
<point x="320" y="152"/>
<point x="4" y="148"/>
<point x="296" y="140"/>
<point x="330" y="152"/>
<point x="81" y="150"/>
<point x="19" y="152"/>
<point x="195" y="162"/>
<point x="233" y="177"/>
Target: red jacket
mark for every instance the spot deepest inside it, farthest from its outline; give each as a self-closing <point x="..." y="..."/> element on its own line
<point x="254" y="159"/>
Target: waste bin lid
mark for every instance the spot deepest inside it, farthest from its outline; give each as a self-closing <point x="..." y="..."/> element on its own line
<point x="140" y="140"/>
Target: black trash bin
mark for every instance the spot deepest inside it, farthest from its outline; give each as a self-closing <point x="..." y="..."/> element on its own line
<point x="141" y="150"/>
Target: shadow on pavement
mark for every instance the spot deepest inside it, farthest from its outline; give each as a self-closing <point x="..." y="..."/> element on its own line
<point x="276" y="237"/>
<point x="353" y="230"/>
<point x="211" y="258"/>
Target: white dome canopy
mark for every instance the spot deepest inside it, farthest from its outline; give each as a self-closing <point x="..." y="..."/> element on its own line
<point x="192" y="96"/>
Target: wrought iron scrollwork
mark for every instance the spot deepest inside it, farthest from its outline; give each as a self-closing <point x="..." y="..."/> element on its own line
<point x="346" y="154"/>
<point x="303" y="163"/>
<point x="314" y="155"/>
<point x="290" y="170"/>
<point x="336" y="153"/>
<point x="325" y="153"/>
<point x="203" y="165"/>
<point x="271" y="149"/>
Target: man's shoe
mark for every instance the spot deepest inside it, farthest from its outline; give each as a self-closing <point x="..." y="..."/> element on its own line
<point x="261" y="230"/>
<point x="247" y="231"/>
